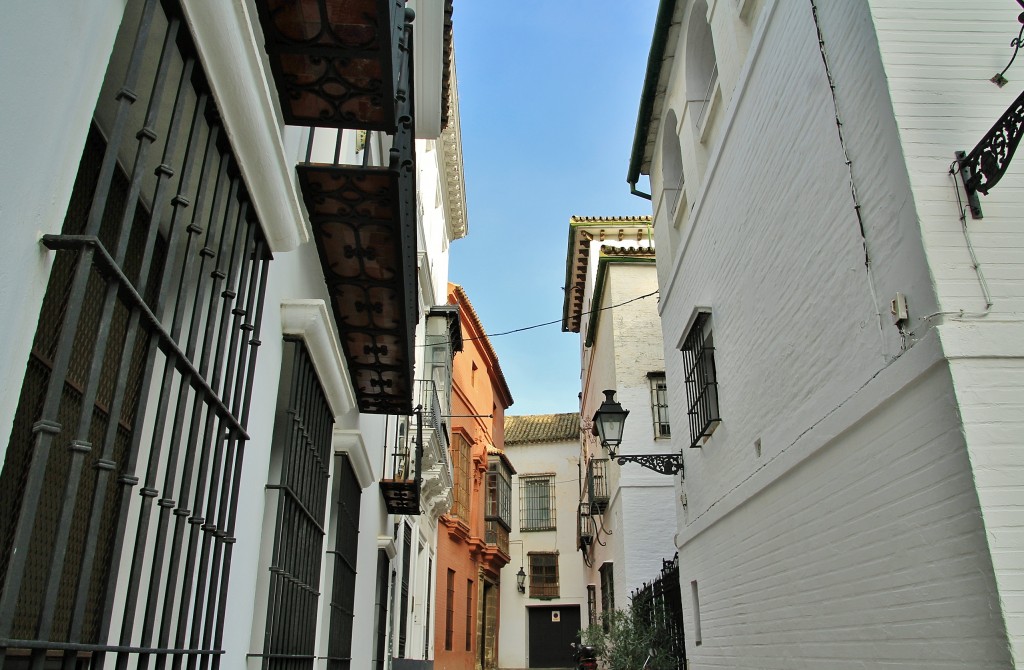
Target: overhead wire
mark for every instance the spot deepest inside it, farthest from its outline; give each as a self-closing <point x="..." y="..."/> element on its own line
<point x="547" y="323"/>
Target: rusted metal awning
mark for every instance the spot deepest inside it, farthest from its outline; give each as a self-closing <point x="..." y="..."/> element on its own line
<point x="335" y="64"/>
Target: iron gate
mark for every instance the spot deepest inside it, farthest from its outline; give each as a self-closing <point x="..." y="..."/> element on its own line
<point x="660" y="605"/>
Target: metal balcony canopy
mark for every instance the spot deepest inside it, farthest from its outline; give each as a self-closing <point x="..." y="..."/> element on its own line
<point x="335" y="63"/>
<point x="363" y="219"/>
<point x="363" y="235"/>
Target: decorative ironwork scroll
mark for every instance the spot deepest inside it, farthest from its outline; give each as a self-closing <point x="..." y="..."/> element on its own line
<point x="1016" y="43"/>
<point x="335" y="64"/>
<point x="666" y="464"/>
<point x="987" y="163"/>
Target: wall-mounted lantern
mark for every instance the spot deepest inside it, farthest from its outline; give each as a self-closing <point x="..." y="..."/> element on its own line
<point x="521" y="580"/>
<point x="610" y="420"/>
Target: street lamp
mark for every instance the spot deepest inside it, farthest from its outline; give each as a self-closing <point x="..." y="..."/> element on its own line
<point x="610" y="419"/>
<point x="521" y="580"/>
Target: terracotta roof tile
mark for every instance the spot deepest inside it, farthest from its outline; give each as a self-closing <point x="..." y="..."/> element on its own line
<point x="536" y="428"/>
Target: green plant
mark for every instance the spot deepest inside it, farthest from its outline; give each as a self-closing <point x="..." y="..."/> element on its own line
<point x="622" y="640"/>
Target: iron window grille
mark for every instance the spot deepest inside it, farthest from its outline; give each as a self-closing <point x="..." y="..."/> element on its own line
<point x="346" y="545"/>
<point x="469" y="615"/>
<point x="428" y="621"/>
<point x="385" y="578"/>
<point x="403" y="621"/>
<point x="659" y="404"/>
<point x="607" y="574"/>
<point x="461" y="457"/>
<point x="537" y="502"/>
<point x="597" y="485"/>
<point x="449" y="612"/>
<point x="701" y="380"/>
<point x="302" y="446"/>
<point x="139" y="378"/>
<point x="592" y="604"/>
<point x="543" y="574"/>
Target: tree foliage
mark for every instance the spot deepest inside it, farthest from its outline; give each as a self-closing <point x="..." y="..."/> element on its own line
<point x="623" y="640"/>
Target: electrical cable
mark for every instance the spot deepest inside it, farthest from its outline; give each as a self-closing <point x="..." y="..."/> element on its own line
<point x="546" y="323"/>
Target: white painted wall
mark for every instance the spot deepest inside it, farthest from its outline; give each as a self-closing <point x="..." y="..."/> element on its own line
<point x="562" y="460"/>
<point x="855" y="538"/>
<point x="56" y="83"/>
<point x="637" y="536"/>
<point x="940" y="109"/>
<point x="45" y="120"/>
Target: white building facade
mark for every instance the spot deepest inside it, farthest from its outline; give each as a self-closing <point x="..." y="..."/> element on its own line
<point x="218" y="500"/>
<point x="842" y="338"/>
<point x="612" y="303"/>
<point x="538" y="624"/>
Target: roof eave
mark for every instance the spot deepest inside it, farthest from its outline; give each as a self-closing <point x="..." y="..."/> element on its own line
<point x="655" y="60"/>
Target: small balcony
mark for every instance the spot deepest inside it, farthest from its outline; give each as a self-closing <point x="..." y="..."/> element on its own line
<point x="403" y="453"/>
<point x="363" y="219"/>
<point x="417" y="474"/>
<point x="496" y="534"/>
<point x="597" y="485"/>
<point x="584" y="527"/>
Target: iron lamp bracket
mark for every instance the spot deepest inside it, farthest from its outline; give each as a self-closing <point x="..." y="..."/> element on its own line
<point x="666" y="464"/>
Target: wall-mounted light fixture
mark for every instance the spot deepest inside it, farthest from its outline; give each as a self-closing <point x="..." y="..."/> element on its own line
<point x="521" y="580"/>
<point x="610" y="420"/>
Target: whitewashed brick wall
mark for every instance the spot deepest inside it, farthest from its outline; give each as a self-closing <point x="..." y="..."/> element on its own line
<point x="855" y="539"/>
<point x="939" y="59"/>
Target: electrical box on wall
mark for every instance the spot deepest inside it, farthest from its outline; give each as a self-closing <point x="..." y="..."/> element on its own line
<point x="898" y="308"/>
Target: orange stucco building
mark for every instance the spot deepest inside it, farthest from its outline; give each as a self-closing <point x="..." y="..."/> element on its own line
<point x="472" y="544"/>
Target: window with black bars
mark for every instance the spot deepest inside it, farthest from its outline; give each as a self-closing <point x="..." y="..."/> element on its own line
<point x="607" y="591"/>
<point x="139" y="377"/>
<point x="469" y="615"/>
<point x="380" y="605"/>
<point x="536" y="502"/>
<point x="543" y="574"/>
<point x="346" y="545"/>
<point x="403" y="612"/>
<point x="701" y="381"/>
<point x="302" y="446"/>
<point x="460" y="451"/>
<point x="592" y="604"/>
<point x="449" y="612"/>
<point x="659" y="404"/>
<point x="428" y="621"/>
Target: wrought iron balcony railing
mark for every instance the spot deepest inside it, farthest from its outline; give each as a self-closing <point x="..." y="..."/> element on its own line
<point x="403" y="449"/>
<point x="497" y="534"/>
<point x="597" y="485"/>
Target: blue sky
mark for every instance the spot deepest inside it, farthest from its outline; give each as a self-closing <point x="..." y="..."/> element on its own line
<point x="548" y="92"/>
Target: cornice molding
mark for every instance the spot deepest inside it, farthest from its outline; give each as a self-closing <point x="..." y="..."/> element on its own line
<point x="223" y="36"/>
<point x="310" y="320"/>
<point x="387" y="543"/>
<point x="452" y="168"/>
<point x="350" y="443"/>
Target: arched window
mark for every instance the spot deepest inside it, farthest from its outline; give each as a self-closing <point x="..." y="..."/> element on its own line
<point x="672" y="179"/>
<point x="701" y="65"/>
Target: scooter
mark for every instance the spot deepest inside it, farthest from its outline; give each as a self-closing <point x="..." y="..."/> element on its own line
<point x="584" y="655"/>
